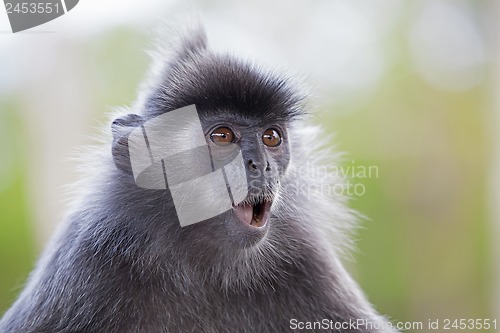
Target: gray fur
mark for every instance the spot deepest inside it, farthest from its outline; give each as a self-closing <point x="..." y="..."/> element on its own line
<point x="121" y="262"/>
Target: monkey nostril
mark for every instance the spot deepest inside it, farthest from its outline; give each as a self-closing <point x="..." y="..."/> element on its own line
<point x="268" y="167"/>
<point x="252" y="165"/>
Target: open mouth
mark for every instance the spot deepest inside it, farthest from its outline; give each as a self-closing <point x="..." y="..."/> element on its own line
<point x="254" y="215"/>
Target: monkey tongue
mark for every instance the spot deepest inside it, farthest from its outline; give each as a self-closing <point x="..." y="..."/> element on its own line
<point x="254" y="215"/>
<point x="244" y="213"/>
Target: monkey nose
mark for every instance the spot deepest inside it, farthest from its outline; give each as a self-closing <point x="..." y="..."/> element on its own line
<point x="253" y="166"/>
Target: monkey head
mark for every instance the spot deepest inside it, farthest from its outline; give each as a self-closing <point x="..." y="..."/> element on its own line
<point x="243" y="109"/>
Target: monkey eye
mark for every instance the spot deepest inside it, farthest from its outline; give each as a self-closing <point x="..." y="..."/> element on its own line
<point x="222" y="136"/>
<point x="271" y="138"/>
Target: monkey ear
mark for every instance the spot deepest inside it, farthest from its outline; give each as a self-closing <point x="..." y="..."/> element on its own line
<point x="121" y="128"/>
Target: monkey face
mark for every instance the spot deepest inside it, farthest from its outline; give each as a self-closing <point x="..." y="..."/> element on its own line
<point x="264" y="148"/>
<point x="265" y="151"/>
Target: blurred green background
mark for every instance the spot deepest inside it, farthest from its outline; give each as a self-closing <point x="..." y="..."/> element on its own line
<point x="407" y="87"/>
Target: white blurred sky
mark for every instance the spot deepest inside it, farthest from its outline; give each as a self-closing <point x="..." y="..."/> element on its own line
<point x="341" y="47"/>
